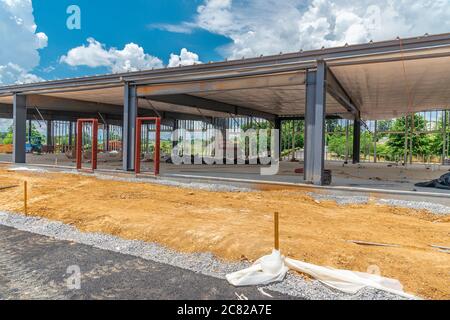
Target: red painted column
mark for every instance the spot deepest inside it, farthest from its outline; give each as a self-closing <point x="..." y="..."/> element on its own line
<point x="79" y="143"/>
<point x="137" y="162"/>
<point x="157" y="146"/>
<point x="94" y="144"/>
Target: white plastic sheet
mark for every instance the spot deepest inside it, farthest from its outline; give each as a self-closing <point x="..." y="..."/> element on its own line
<point x="273" y="268"/>
<point x="266" y="270"/>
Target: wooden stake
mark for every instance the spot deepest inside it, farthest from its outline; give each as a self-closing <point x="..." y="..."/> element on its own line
<point x="277" y="232"/>
<point x="25" y="197"/>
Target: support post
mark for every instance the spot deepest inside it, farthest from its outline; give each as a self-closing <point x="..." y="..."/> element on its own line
<point x="444" y="136"/>
<point x="129" y="126"/>
<point x="277" y="124"/>
<point x="175" y="128"/>
<point x="315" y="124"/>
<point x="49" y="133"/>
<point x="375" y="140"/>
<point x="70" y="135"/>
<point x="20" y="128"/>
<point x="107" y="136"/>
<point x="30" y="131"/>
<point x="347" y="141"/>
<point x="412" y="129"/>
<point x="356" y="141"/>
<point x="276" y="218"/>
<point x="405" y="148"/>
<point x="79" y="145"/>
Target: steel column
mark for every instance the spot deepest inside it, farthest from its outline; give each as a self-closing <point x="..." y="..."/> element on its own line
<point x="49" y="133"/>
<point x="129" y="125"/>
<point x="375" y="140"/>
<point x="29" y="131"/>
<point x="70" y="134"/>
<point x="347" y="140"/>
<point x="444" y="140"/>
<point x="356" y="141"/>
<point x="315" y="124"/>
<point x="107" y="136"/>
<point x="277" y="124"/>
<point x="19" y="128"/>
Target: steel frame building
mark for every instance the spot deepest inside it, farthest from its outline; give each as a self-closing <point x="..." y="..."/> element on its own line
<point x="377" y="80"/>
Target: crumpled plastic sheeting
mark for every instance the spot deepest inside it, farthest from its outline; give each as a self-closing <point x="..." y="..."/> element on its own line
<point x="266" y="270"/>
<point x="273" y="268"/>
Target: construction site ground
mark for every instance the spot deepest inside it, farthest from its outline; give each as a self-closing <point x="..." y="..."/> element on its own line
<point x="382" y="176"/>
<point x="238" y="226"/>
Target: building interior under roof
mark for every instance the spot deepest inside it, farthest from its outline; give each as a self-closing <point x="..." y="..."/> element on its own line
<point x="357" y="87"/>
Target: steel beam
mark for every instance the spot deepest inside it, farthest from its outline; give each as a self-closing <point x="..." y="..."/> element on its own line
<point x="315" y="124"/>
<point x="130" y="112"/>
<point x="54" y="103"/>
<point x="212" y="105"/>
<point x="19" y="128"/>
<point x="233" y="81"/>
<point x="336" y="90"/>
<point x="356" y="141"/>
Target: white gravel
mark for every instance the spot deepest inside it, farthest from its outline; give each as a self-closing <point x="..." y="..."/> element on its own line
<point x="340" y="200"/>
<point x="203" y="263"/>
<point x="210" y="186"/>
<point x="435" y="208"/>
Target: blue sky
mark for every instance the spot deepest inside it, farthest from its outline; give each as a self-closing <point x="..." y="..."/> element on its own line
<point x="118" y="36"/>
<point x="117" y="23"/>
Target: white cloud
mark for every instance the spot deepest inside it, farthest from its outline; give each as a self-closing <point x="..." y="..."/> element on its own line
<point x="184" y="27"/>
<point x="131" y="58"/>
<point x="13" y="73"/>
<point x="186" y="58"/>
<point x="19" y="41"/>
<point x="269" y="26"/>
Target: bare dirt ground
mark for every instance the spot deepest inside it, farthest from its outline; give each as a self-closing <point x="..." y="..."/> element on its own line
<point x="238" y="225"/>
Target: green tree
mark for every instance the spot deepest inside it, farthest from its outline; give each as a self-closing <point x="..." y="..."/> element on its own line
<point x="35" y="135"/>
<point x="420" y="141"/>
<point x="337" y="144"/>
<point x="8" y="139"/>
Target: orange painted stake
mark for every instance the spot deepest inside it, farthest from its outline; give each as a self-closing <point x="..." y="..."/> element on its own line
<point x="25" y="197"/>
<point x="277" y="231"/>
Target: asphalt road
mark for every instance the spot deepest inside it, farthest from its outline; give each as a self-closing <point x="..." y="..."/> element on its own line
<point x="38" y="267"/>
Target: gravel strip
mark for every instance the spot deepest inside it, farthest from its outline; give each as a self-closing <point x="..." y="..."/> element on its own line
<point x="435" y="208"/>
<point x="340" y="200"/>
<point x="203" y="263"/>
<point x="213" y="187"/>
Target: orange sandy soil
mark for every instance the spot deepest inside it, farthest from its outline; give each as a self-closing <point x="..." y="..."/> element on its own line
<point x="239" y="225"/>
